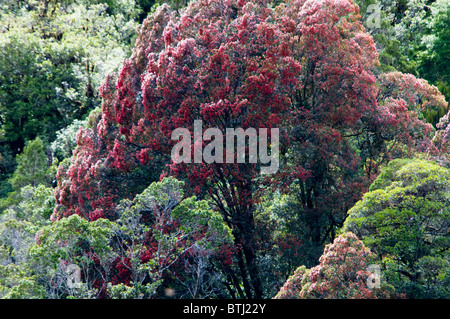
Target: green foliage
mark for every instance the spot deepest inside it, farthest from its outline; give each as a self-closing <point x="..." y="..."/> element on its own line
<point x="406" y="219"/>
<point x="36" y="205"/>
<point x="18" y="283"/>
<point x="391" y="49"/>
<point x="284" y="223"/>
<point x="183" y="229"/>
<point x="18" y="226"/>
<point x="135" y="291"/>
<point x="192" y="215"/>
<point x="68" y="241"/>
<point x="32" y="168"/>
<point x="412" y="37"/>
<point x="64" y="238"/>
<point x="386" y="176"/>
<point x="435" y="50"/>
<point x="53" y="57"/>
<point x="30" y="104"/>
<point x="6" y="168"/>
<point x="66" y="141"/>
<point x="19" y="223"/>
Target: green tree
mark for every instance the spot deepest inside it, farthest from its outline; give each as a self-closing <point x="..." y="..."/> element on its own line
<point x="380" y="18"/>
<point x="32" y="166"/>
<point x="405" y="220"/>
<point x="33" y="169"/>
<point x="160" y="240"/>
<point x="18" y="226"/>
<point x="411" y="37"/>
<point x="66" y="141"/>
<point x="53" y="56"/>
<point x="71" y="241"/>
<point x="19" y="283"/>
<point x="434" y="58"/>
<point x="30" y="104"/>
<point x="184" y="237"/>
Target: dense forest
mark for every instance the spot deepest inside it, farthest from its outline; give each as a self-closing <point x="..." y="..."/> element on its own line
<point x="93" y="204"/>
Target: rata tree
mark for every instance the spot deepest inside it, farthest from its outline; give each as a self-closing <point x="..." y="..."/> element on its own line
<point x="346" y="271"/>
<point x="330" y="116"/>
<point x="343" y="122"/>
<point x="441" y="141"/>
<point x="419" y="96"/>
<point x="243" y="69"/>
<point x="216" y="77"/>
<point x="419" y="109"/>
<point x="94" y="180"/>
<point x="304" y="68"/>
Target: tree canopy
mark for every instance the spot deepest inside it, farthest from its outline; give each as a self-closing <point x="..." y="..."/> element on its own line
<point x="404" y="219"/>
<point x="348" y="98"/>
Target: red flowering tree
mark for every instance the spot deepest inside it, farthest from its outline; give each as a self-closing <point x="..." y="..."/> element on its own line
<point x="303" y="67"/>
<point x="441" y="141"/>
<point x="419" y="109"/>
<point x="333" y="111"/>
<point x="344" y="272"/>
<point x="102" y="171"/>
<point x="414" y="102"/>
<point x="419" y="96"/>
